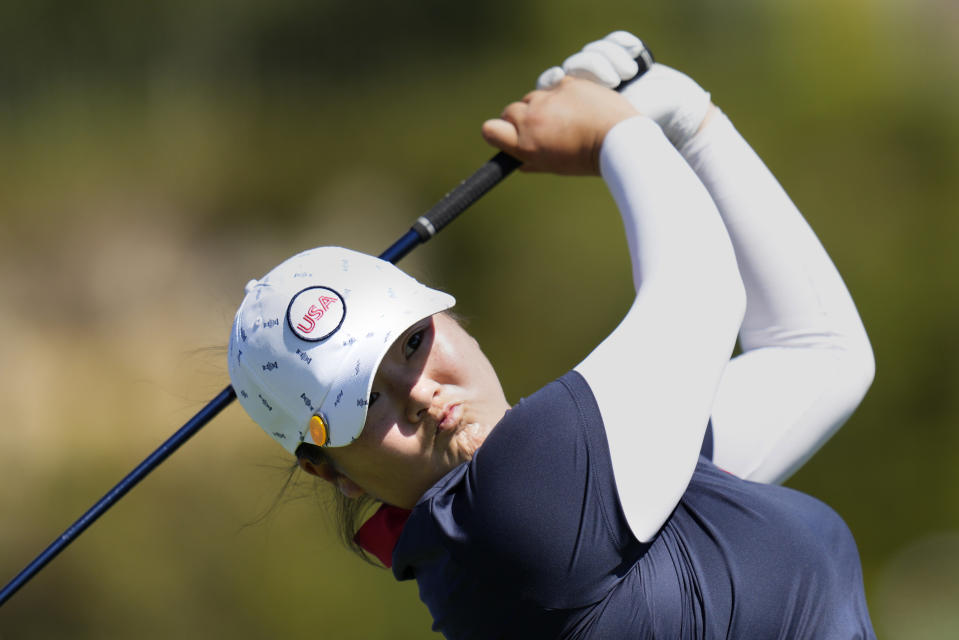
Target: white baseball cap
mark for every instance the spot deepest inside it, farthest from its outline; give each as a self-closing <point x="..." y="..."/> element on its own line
<point x="309" y="336"/>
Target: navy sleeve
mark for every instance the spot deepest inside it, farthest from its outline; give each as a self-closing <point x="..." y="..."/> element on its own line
<point x="538" y="508"/>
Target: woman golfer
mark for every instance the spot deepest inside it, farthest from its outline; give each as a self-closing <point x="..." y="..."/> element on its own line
<point x="632" y="497"/>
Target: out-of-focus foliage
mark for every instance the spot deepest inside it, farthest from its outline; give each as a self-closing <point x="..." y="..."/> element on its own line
<point x="155" y="156"/>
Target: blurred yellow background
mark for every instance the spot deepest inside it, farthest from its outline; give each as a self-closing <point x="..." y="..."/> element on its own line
<point x="156" y="156"/>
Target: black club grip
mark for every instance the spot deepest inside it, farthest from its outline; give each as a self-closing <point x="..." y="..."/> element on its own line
<point x="473" y="188"/>
<point x="464" y="194"/>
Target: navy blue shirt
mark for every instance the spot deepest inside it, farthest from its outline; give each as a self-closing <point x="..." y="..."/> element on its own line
<point x="528" y="540"/>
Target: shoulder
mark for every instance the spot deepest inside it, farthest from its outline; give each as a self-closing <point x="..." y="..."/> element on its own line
<point x="542" y="453"/>
<point x="563" y="409"/>
<point x="535" y="509"/>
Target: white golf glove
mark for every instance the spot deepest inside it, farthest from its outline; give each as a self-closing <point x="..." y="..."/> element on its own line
<point x="671" y="98"/>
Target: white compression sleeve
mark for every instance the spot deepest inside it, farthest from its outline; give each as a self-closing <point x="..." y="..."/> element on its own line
<point x="656" y="375"/>
<point x="806" y="361"/>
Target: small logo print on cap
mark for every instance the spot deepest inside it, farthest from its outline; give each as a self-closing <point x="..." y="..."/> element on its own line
<point x="316" y="313"/>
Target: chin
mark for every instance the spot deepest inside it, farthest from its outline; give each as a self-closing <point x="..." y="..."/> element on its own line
<point x="467" y="439"/>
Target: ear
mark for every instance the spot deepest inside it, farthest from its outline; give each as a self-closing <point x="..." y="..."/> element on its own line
<point x="325" y="471"/>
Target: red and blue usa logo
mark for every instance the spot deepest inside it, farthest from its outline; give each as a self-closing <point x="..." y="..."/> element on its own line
<point x="316" y="313"/>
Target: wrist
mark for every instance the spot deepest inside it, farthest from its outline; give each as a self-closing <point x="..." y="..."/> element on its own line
<point x="615" y="120"/>
<point x="637" y="134"/>
<point x="673" y="100"/>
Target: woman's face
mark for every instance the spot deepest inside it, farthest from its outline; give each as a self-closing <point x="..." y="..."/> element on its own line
<point x="434" y="400"/>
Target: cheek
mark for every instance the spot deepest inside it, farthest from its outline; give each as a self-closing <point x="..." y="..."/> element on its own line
<point x="387" y="468"/>
<point x="456" y="355"/>
<point x="470" y="365"/>
<point x="387" y="445"/>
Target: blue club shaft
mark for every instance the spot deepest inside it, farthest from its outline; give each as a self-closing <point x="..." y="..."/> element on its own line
<point x="195" y="423"/>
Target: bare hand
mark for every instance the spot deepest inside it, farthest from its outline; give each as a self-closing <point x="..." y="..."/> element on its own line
<point x="560" y="130"/>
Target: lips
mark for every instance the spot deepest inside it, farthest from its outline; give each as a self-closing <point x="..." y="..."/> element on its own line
<point x="450" y="418"/>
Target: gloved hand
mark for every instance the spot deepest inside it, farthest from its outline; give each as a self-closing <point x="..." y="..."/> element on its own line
<point x="671" y="98"/>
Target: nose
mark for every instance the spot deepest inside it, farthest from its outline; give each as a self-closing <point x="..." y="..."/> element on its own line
<point x="421" y="396"/>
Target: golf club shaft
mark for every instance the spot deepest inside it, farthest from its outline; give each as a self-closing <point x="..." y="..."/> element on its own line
<point x="426" y="226"/>
<point x="202" y="417"/>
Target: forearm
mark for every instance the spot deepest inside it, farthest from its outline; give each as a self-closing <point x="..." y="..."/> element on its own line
<point x="794" y="292"/>
<point x="655" y="376"/>
<point x="807" y="361"/>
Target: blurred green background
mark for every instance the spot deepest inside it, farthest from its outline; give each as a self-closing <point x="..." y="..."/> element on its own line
<point x="156" y="156"/>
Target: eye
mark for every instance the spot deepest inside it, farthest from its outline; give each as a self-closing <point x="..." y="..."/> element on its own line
<point x="413" y="343"/>
<point x="373" y="396"/>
